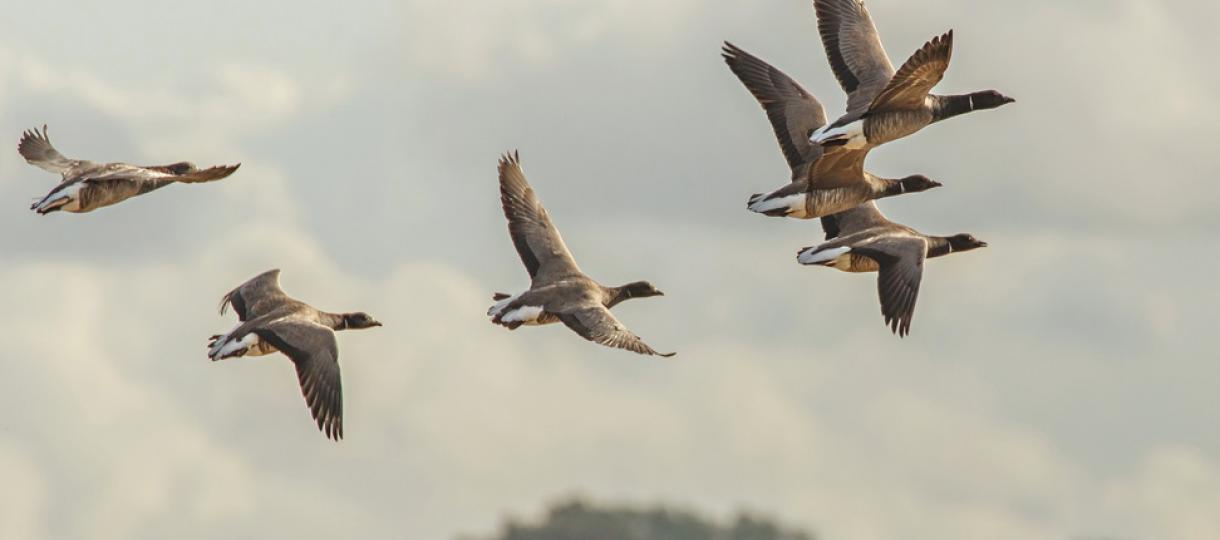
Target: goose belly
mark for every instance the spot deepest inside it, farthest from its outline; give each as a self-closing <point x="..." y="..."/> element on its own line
<point x="883" y="128"/>
<point x="824" y="202"/>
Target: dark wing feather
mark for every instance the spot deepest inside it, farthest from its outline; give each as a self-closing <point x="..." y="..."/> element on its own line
<point x="535" y="237"/>
<point x="595" y="323"/>
<point x="901" y="261"/>
<point x="36" y="148"/>
<point x="256" y="297"/>
<point x="854" y="50"/>
<point x="793" y="111"/>
<point x="312" y="347"/>
<point x="865" y="216"/>
<point x="207" y="175"/>
<point x="923" y="70"/>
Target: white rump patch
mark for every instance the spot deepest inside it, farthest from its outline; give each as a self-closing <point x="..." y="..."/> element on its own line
<point x="813" y="256"/>
<point x="794" y="204"/>
<point x="853" y="133"/>
<point x="523" y="314"/>
<point x="499" y="306"/>
<point x="226" y="346"/>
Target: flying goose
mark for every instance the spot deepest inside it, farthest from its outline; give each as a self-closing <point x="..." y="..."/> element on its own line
<point x="824" y="180"/>
<point x="884" y="105"/>
<point x="272" y="321"/>
<point x="87" y="186"/>
<point x="559" y="291"/>
<point x="863" y="240"/>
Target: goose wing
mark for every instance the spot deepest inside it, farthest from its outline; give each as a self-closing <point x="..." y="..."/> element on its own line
<point x="314" y="351"/>
<point x="923" y="70"/>
<point x="793" y="111"/>
<point x="901" y="270"/>
<point x="865" y="216"/>
<point x="854" y="50"/>
<point x="595" y="323"/>
<point x="35" y="146"/>
<point x="537" y="240"/>
<point x="256" y="297"/>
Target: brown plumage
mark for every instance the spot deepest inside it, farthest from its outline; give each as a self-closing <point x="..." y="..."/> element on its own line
<point x="271" y="321"/>
<point x="824" y="180"/>
<point x="863" y="240"/>
<point x="559" y="291"/>
<point x="884" y="105"/>
<point x="87" y="186"/>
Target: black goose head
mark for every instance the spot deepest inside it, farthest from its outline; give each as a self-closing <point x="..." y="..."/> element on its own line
<point x="988" y="99"/>
<point x="359" y="320"/>
<point x="918" y="182"/>
<point x="636" y="289"/>
<point x="965" y="242"/>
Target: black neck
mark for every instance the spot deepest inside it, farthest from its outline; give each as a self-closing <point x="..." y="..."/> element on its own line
<point x="337" y="321"/>
<point x="950" y="106"/>
<point x="891" y="187"/>
<point x="939" y="245"/>
<point x="618" y="294"/>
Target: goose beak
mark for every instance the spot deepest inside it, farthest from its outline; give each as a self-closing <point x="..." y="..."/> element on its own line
<point x="376" y="323"/>
<point x="936" y="184"/>
<point x="982" y="244"/>
<point x="1008" y="100"/>
<point x="659" y="293"/>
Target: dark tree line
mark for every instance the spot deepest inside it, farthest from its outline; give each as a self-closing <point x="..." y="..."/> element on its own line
<point x="579" y="520"/>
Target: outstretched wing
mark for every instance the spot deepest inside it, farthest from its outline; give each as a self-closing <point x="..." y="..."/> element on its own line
<point x="793" y="111"/>
<point x="37" y="150"/>
<point x="923" y="70"/>
<point x="901" y="262"/>
<point x="595" y="323"/>
<point x="535" y="237"/>
<point x="854" y="50"/>
<point x="314" y="351"/>
<point x="256" y="297"/>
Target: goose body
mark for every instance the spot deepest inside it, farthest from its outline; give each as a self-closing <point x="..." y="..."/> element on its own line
<point x="271" y="321"/>
<point x="863" y="240"/>
<point x="86" y="186"/>
<point x="559" y="291"/>
<point x="824" y="181"/>
<point x="883" y="104"/>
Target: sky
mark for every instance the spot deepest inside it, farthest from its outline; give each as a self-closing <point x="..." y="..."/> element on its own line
<point x="1059" y="384"/>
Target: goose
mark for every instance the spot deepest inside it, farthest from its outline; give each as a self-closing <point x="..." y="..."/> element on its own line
<point x="87" y="186"/>
<point x="863" y="240"/>
<point x="559" y="291"/>
<point x="270" y="321"/>
<point x="824" y="180"/>
<point x="884" y="105"/>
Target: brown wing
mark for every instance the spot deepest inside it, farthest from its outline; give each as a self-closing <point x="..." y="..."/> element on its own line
<point x="793" y="112"/>
<point x="314" y="351"/>
<point x="901" y="261"/>
<point x="537" y="241"/>
<point x="595" y="323"/>
<point x="256" y="297"/>
<point x="923" y="70"/>
<point x="36" y="148"/>
<point x="838" y="167"/>
<point x="854" y="50"/>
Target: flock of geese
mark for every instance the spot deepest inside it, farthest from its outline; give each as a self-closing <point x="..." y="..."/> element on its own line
<point x="828" y="182"/>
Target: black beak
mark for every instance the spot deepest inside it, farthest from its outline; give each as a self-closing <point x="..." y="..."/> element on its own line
<point x="982" y="244"/>
<point x="936" y="184"/>
<point x="1008" y="100"/>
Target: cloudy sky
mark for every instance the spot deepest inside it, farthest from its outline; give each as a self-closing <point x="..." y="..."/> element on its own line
<point x="1057" y="385"/>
